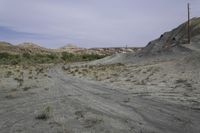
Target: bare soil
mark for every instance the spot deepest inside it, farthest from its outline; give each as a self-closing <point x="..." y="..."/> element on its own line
<point x="148" y="97"/>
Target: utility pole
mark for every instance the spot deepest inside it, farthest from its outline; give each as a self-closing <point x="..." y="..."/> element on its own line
<point x="188" y="25"/>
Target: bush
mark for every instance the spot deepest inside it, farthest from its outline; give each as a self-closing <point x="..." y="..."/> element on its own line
<point x="14" y="62"/>
<point x="45" y="58"/>
<point x="6" y="58"/>
<point x="67" y="56"/>
<point x="90" y="57"/>
<point x="27" y="58"/>
<point x="4" y="55"/>
<point x="80" y="57"/>
<point x="44" y="114"/>
<point x="26" y="55"/>
<point x="52" y="56"/>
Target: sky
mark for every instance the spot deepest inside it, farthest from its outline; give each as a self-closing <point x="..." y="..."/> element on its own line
<point x="91" y="23"/>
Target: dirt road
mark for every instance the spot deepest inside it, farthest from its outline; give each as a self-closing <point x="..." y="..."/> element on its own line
<point x="82" y="106"/>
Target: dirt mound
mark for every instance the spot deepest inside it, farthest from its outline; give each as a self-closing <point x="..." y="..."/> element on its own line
<point x="178" y="36"/>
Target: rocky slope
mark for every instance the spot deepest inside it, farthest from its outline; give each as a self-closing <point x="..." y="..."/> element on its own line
<point x="173" y="41"/>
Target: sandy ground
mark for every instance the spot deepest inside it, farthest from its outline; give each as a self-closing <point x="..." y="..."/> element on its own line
<point x="175" y="80"/>
<point x="150" y="97"/>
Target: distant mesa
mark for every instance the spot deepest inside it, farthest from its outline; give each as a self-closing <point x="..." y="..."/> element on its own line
<point x="26" y="47"/>
<point x="69" y="46"/>
<point x="4" y="44"/>
<point x="29" y="45"/>
<point x="7" y="47"/>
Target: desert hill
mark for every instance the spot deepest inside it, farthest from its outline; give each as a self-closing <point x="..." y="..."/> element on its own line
<point x="33" y="48"/>
<point x="173" y="41"/>
<point x="28" y="47"/>
<point x="69" y="46"/>
<point x="169" y="45"/>
<point x="23" y="48"/>
<point x="5" y="44"/>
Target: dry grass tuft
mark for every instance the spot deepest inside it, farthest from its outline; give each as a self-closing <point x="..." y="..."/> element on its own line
<point x="44" y="114"/>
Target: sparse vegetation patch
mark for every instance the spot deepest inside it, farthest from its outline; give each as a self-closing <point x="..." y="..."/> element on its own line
<point x="27" y="58"/>
<point x="44" y="114"/>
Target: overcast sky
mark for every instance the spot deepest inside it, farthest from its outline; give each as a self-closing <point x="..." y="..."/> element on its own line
<point x="91" y="23"/>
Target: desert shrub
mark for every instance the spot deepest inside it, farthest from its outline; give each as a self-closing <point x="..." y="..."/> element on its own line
<point x="11" y="96"/>
<point x="90" y="57"/>
<point x="20" y="81"/>
<point x="26" y="55"/>
<point x="8" y="74"/>
<point x="6" y="58"/>
<point x="178" y="81"/>
<point x="44" y="114"/>
<point x="44" y="58"/>
<point x="14" y="62"/>
<point x="38" y="58"/>
<point x="26" y="88"/>
<point x="67" y="56"/>
<point x="90" y="122"/>
<point x="52" y="56"/>
<point x="27" y="58"/>
<point x="80" y="57"/>
<point x="4" y="55"/>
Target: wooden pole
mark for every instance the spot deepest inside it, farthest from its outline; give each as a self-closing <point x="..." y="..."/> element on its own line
<point x="189" y="35"/>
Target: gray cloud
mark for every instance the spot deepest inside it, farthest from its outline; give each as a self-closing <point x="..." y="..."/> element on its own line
<point x="92" y="23"/>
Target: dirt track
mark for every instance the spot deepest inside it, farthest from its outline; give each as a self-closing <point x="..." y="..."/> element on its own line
<point x="81" y="106"/>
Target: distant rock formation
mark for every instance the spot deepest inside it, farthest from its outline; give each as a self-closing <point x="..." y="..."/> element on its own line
<point x="29" y="45"/>
<point x="69" y="46"/>
<point x="23" y="48"/>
